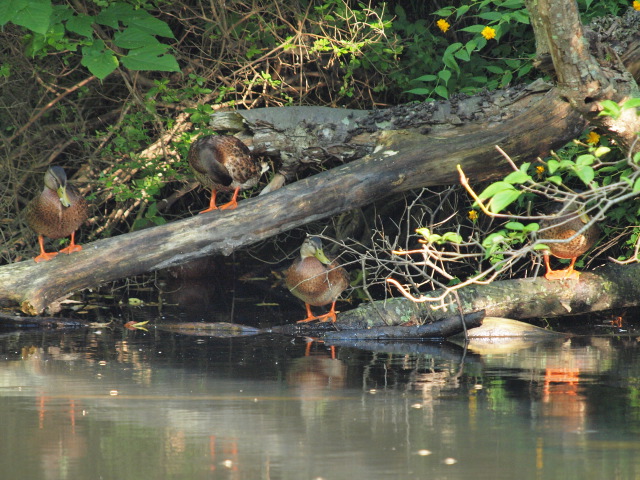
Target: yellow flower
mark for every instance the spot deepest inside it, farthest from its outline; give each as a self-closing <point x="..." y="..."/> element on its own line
<point x="539" y="170"/>
<point x="473" y="215"/>
<point x="443" y="25"/>
<point x="636" y="5"/>
<point x="488" y="33"/>
<point x="593" y="138"/>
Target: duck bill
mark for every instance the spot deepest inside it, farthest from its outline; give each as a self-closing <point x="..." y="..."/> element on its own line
<point x="64" y="198"/>
<point x="319" y="254"/>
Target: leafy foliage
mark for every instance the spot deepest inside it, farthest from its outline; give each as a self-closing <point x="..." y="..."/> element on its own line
<point x="117" y="34"/>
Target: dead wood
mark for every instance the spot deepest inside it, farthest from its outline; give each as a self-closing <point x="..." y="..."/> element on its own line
<point x="611" y="287"/>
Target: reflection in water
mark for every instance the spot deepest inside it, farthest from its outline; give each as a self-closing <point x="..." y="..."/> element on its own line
<point x="129" y="405"/>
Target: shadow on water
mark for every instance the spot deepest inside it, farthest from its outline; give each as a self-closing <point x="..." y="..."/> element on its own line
<point x="110" y="403"/>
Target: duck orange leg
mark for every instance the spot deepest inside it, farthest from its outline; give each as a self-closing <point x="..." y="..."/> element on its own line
<point x="310" y="316"/>
<point x="233" y="203"/>
<point x="212" y="203"/>
<point x="330" y="316"/>
<point x="72" y="247"/>
<point x="44" y="256"/>
<point x="568" y="272"/>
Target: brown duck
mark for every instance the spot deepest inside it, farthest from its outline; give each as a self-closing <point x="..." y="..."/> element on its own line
<point x="316" y="280"/>
<point x="565" y="225"/>
<point x="57" y="212"/>
<point x="223" y="163"/>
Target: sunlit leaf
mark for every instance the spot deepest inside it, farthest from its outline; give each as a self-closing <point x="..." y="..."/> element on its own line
<point x="600" y="151"/>
<point x="494" y="188"/>
<point x="555" y="179"/>
<point x="517" y="226"/>
<point x="585" y="173"/>
<point x="610" y="109"/>
<point x="517" y="177"/>
<point x="503" y="199"/>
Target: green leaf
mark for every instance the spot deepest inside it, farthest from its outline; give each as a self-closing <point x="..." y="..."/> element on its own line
<point x="151" y="58"/>
<point x="100" y="61"/>
<point x="557" y="179"/>
<point x="601" y="151"/>
<point x="143" y="20"/>
<point x="112" y="15"/>
<point x="552" y="165"/>
<point x="452" y="237"/>
<point x="586" y="159"/>
<point x="462" y="10"/>
<point x="494" y="69"/>
<point x="532" y="227"/>
<point x="81" y="24"/>
<point x="585" y="173"/>
<point x="426" y="78"/>
<point x="491" y="16"/>
<point x="9" y="8"/>
<point x="517" y="177"/>
<point x="609" y="108"/>
<point x="442" y="91"/>
<point x="424" y="231"/>
<point x="521" y="16"/>
<point x="444" y="75"/>
<point x="133" y="37"/>
<point x="32" y="14"/>
<point x="503" y="199"/>
<point x="419" y="91"/>
<point x="631" y="103"/>
<point x="473" y="28"/>
<point x="494" y="188"/>
<point x="463" y="55"/>
<point x="636" y="185"/>
<point x="541" y="246"/>
<point x="517" y="226"/>
<point x="444" y="12"/>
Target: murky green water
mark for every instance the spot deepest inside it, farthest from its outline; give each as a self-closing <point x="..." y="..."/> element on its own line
<point x="114" y="404"/>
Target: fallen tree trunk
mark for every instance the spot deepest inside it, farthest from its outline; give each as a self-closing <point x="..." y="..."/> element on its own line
<point x="403" y="160"/>
<point x="613" y="286"/>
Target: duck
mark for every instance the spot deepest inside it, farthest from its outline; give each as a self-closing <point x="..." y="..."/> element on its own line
<point x="316" y="280"/>
<point x="563" y="223"/>
<point x="223" y="163"/>
<point x="57" y="212"/>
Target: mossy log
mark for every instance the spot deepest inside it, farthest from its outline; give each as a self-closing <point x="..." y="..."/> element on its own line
<point x="610" y="287"/>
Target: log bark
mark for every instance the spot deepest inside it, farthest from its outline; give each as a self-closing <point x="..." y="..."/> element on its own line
<point x="611" y="287"/>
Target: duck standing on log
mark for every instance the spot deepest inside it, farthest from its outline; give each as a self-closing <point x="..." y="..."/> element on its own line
<point x="222" y="163"/>
<point x="565" y="223"/>
<point x="57" y="212"/>
<point x="316" y="280"/>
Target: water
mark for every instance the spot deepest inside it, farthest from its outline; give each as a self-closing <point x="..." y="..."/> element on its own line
<point x="114" y="404"/>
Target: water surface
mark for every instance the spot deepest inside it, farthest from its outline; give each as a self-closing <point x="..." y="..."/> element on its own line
<point x="109" y="403"/>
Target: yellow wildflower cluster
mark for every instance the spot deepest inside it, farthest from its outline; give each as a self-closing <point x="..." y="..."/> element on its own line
<point x="539" y="170"/>
<point x="488" y="33"/>
<point x="443" y="25"/>
<point x="473" y="215"/>
<point x="636" y="5"/>
<point x="593" y="138"/>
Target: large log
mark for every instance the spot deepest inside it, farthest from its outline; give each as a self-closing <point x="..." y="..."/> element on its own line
<point x="402" y="160"/>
